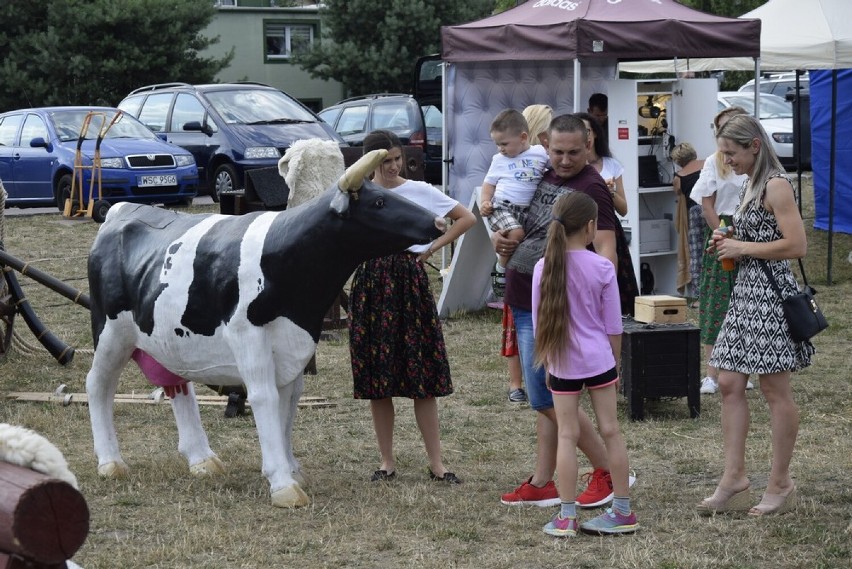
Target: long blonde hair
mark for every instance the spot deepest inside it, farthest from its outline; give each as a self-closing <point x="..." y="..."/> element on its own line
<point x="538" y="119"/>
<point x="742" y="130"/>
<point x="718" y="121"/>
<point x="571" y="214"/>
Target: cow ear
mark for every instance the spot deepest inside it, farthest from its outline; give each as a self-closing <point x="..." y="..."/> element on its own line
<point x="340" y="204"/>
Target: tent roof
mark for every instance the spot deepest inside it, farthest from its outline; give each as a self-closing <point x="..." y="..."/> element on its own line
<point x="600" y="29"/>
<point x="795" y="35"/>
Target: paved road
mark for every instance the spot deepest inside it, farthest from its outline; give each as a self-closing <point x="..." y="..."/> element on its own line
<point x="16" y="211"/>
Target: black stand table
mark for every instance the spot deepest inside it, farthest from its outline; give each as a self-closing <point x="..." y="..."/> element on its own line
<point x="660" y="360"/>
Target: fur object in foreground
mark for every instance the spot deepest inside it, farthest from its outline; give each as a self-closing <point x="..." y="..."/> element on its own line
<point x="27" y="448"/>
<point x="309" y="167"/>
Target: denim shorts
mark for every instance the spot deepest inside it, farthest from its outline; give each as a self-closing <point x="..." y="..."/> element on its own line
<point x="535" y="382"/>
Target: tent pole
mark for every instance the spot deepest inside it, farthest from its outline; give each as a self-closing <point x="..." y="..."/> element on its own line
<point x="798" y="144"/>
<point x="757" y="87"/>
<point x="445" y="151"/>
<point x="577" y="108"/>
<point x="831" y="162"/>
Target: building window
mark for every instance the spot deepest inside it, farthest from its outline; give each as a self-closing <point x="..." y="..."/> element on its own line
<point x="286" y="40"/>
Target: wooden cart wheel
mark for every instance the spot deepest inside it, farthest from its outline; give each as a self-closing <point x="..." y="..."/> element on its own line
<point x="7" y="318"/>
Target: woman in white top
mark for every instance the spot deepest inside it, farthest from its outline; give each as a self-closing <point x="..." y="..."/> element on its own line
<point x="395" y="337"/>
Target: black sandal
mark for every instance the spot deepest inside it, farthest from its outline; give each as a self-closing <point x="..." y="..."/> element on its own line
<point x="382" y="475"/>
<point x="448" y="477"/>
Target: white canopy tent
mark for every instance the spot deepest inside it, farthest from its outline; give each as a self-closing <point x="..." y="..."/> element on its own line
<point x="795" y="34"/>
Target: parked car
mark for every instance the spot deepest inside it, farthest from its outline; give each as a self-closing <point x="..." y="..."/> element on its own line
<point x="779" y="84"/>
<point x="776" y="117"/>
<point x="356" y="117"/>
<point x="38" y="148"/>
<point x="228" y="127"/>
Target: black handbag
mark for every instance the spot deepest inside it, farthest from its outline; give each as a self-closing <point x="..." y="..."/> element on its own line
<point x="803" y="315"/>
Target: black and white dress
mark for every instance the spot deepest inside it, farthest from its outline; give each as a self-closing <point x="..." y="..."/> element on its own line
<point x="754" y="338"/>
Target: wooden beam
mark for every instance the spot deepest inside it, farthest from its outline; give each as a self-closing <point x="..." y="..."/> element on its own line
<point x="66" y="399"/>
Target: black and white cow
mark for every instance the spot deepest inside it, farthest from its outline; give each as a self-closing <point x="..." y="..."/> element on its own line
<point x="229" y="299"/>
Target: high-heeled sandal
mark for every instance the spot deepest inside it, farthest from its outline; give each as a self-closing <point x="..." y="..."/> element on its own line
<point x="774" y="504"/>
<point x="724" y="500"/>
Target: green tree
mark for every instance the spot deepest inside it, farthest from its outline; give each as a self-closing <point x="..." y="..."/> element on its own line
<point x="372" y="45"/>
<point x="82" y="52"/>
<point x="730" y="8"/>
<point x="733" y="9"/>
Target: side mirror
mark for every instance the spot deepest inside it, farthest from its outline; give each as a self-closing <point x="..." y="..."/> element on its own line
<point x="162" y="136"/>
<point x="39" y="142"/>
<point x="198" y="127"/>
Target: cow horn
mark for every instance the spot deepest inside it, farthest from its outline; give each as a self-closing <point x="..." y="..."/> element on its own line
<point x="353" y="178"/>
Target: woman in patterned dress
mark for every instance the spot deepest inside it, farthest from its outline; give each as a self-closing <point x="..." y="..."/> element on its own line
<point x="395" y="337"/>
<point x="755" y="338"/>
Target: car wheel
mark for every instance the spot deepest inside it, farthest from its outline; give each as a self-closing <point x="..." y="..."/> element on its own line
<point x="224" y="180"/>
<point x="99" y="211"/>
<point x="63" y="193"/>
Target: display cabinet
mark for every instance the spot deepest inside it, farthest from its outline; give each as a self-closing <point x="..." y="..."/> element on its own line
<point x="646" y="119"/>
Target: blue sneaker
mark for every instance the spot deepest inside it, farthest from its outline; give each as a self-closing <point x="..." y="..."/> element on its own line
<point x="561" y="527"/>
<point x="611" y="522"/>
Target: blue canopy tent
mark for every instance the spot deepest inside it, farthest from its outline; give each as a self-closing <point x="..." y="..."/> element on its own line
<point x="823" y="85"/>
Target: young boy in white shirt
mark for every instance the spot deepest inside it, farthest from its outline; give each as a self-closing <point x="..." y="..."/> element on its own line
<point x="513" y="177"/>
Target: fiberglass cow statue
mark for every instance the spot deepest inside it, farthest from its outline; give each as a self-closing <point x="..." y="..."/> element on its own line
<point x="226" y="300"/>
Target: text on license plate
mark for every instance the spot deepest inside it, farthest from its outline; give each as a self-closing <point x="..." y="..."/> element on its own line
<point x="164" y="180"/>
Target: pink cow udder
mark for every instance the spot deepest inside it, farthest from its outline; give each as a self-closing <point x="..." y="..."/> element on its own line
<point x="156" y="374"/>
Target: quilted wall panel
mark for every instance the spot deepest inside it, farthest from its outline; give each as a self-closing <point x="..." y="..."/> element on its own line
<point x="476" y="92"/>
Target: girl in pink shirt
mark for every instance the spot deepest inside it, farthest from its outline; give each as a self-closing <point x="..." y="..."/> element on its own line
<point x="577" y="323"/>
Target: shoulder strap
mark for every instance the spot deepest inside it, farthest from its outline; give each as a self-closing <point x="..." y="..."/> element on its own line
<point x="773" y="282"/>
<point x="771" y="278"/>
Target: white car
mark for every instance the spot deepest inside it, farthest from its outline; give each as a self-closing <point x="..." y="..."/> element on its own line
<point x="776" y="117"/>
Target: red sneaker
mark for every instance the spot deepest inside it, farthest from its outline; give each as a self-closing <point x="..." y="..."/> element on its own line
<point x="528" y="495"/>
<point x="599" y="489"/>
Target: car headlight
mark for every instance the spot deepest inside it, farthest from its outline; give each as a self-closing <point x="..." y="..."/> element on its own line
<point x="783" y="137"/>
<point x="184" y="160"/>
<point x="112" y="163"/>
<point x="262" y="152"/>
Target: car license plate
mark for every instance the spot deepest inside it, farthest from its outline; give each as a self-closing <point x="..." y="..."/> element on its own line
<point x="163" y="180"/>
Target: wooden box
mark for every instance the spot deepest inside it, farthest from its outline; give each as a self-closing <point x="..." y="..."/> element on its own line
<point x="660" y="309"/>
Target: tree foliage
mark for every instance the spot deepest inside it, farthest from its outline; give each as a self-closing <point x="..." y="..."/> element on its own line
<point x="731" y="80"/>
<point x="82" y="52"/>
<point x="371" y="45"/>
<point x="729" y="8"/>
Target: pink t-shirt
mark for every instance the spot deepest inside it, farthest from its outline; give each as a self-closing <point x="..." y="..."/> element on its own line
<point x="592" y="292"/>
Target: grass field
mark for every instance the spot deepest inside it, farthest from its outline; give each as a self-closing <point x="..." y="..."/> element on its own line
<point x="161" y="517"/>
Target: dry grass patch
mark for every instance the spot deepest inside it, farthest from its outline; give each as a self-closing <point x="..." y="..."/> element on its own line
<point x="161" y="517"/>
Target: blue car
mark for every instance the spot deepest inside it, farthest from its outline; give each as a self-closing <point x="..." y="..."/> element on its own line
<point x="38" y="148"/>
<point x="230" y="128"/>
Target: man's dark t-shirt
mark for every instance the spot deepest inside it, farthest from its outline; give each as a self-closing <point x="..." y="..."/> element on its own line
<point x="520" y="268"/>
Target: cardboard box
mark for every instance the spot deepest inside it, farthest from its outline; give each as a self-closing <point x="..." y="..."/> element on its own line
<point x="655" y="235"/>
<point x="660" y="309"/>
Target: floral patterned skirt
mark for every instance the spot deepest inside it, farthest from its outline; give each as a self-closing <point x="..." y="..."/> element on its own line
<point x="395" y="338"/>
<point x="715" y="293"/>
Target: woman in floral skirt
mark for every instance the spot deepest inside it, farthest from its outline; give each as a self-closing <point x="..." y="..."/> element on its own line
<point x="395" y="338"/>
